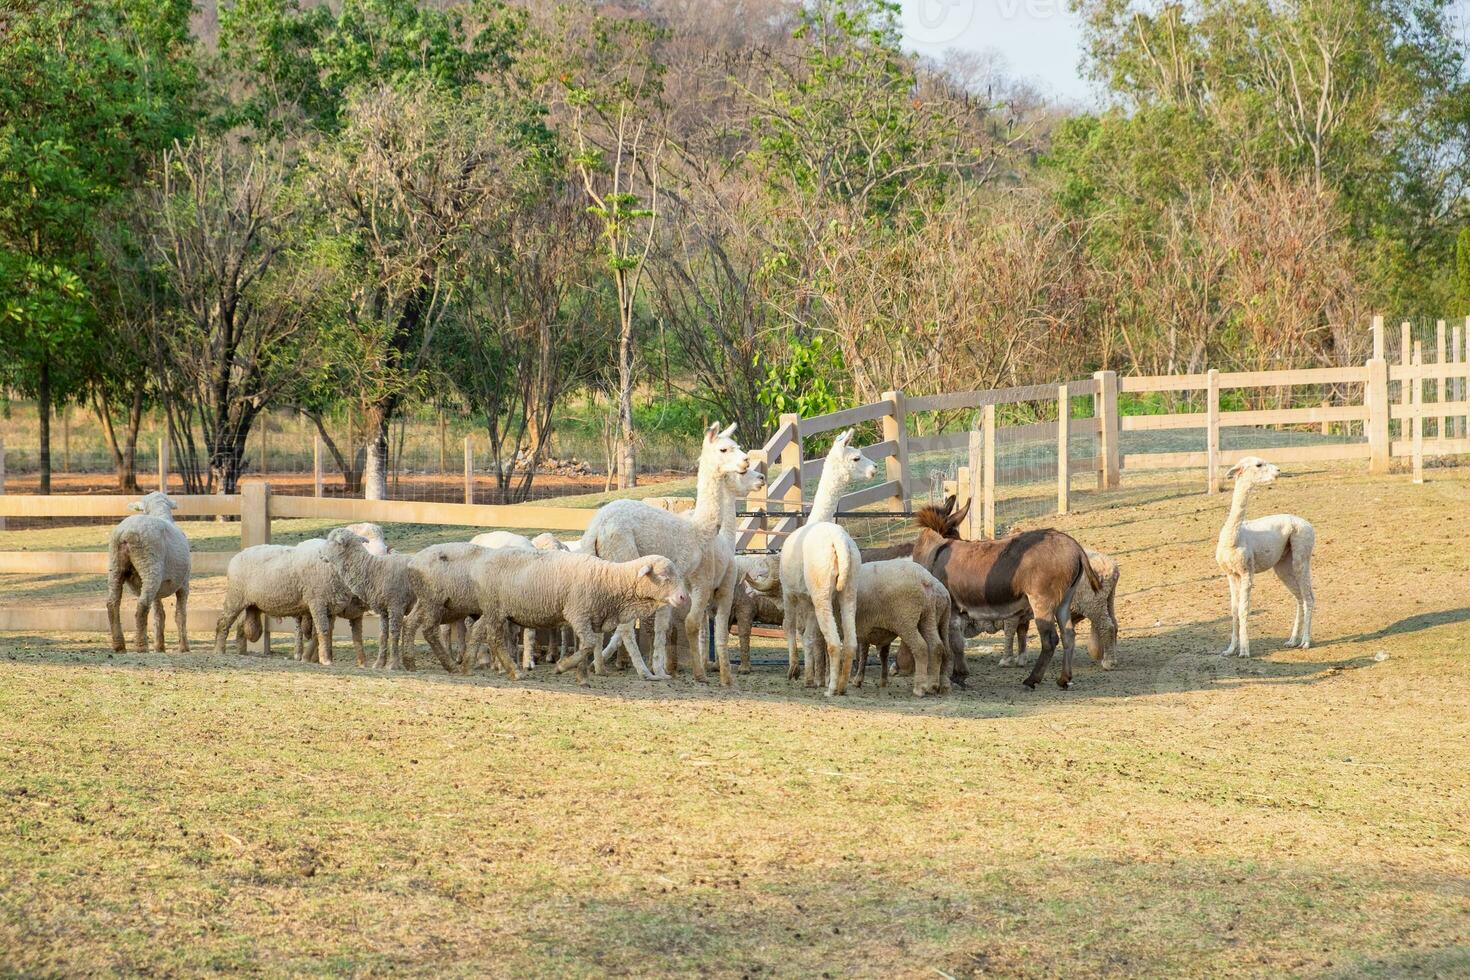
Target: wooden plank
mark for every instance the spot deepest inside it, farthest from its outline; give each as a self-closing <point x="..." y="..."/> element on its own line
<point x="1064" y="440"/>
<point x="94" y="562"/>
<point x="888" y="449"/>
<point x="430" y="512"/>
<point x="870" y="495"/>
<point x="1296" y="416"/>
<point x="1418" y="406"/>
<point x="1378" y="336"/>
<point x="987" y="487"/>
<point x="1109" y="447"/>
<point x="1399" y="413"/>
<point x="842" y="419"/>
<point x="1424" y="372"/>
<point x="1439" y="387"/>
<point x="1152" y="423"/>
<point x="1375" y="398"/>
<point x="784" y="480"/>
<point x="896" y="459"/>
<point x="1283" y="454"/>
<point x="1293" y="376"/>
<point x="785" y="434"/>
<point x="1163" y="382"/>
<point x="111" y="505"/>
<point x="979" y="399"/>
<point x="1402" y="448"/>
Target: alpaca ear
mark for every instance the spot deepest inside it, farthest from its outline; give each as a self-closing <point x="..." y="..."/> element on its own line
<point x="1234" y="471"/>
<point x="843" y="438"/>
<point x="711" y="432"/>
<point x="727" y="432"/>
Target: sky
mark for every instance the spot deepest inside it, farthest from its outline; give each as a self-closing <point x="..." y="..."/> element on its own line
<point x="1039" y="40"/>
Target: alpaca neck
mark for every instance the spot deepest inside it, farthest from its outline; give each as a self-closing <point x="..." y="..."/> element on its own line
<point x="729" y="510"/>
<point x="830" y="488"/>
<point x="708" y="500"/>
<point x="1231" y="531"/>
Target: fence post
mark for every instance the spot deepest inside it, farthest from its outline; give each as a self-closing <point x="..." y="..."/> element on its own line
<point x="1326" y="425"/>
<point x="1375" y="396"/>
<point x="1212" y="432"/>
<point x="964" y="489"/>
<point x="895" y="427"/>
<point x="66" y="438"/>
<point x="2" y="475"/>
<point x="316" y="466"/>
<point x="163" y="446"/>
<point x="1106" y="409"/>
<point x="1439" y="352"/>
<point x="1064" y="440"/>
<point x="987" y="489"/>
<point x="974" y="471"/>
<point x="469" y="471"/>
<point x="1457" y="356"/>
<point x="756" y="501"/>
<point x="255" y="528"/>
<point x="265" y="443"/>
<point x="1378" y="336"/>
<point x="1406" y="348"/>
<point x="1465" y="378"/>
<point x="1417" y="396"/>
<point x="791" y="459"/>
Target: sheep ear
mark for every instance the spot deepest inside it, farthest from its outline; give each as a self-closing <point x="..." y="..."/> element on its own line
<point x="728" y="431"/>
<point x="136" y="505"/>
<point x="646" y="570"/>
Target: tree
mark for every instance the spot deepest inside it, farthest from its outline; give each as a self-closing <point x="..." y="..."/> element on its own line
<point x="89" y="91"/>
<point x="247" y="292"/>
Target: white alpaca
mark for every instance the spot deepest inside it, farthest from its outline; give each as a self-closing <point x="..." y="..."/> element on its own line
<point x="819" y="565"/>
<point x="628" y="529"/>
<point x="1281" y="542"/>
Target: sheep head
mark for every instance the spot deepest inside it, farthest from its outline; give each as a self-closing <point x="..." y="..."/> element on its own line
<point x="657" y="579"/>
<point x="155" y="504"/>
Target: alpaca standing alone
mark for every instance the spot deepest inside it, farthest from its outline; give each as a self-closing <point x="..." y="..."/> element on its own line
<point x="1281" y="542"/>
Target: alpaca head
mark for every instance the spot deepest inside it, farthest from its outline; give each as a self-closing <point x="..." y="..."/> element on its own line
<point x="722" y="454"/>
<point x="848" y="461"/>
<point x="1253" y="470"/>
<point x="749" y="481"/>
<point x="155" y="504"/>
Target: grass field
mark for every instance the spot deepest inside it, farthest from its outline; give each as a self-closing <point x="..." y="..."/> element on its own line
<point x="1302" y="813"/>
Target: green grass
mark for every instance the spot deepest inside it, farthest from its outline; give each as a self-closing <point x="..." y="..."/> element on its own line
<point x="1299" y="813"/>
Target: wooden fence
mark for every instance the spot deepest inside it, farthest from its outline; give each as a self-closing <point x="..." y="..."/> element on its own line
<point x="1409" y="409"/>
<point x="1373" y="397"/>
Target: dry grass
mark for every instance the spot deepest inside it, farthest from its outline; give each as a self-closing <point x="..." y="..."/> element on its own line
<point x="1300" y="813"/>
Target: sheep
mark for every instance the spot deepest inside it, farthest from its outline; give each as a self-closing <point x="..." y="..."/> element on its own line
<point x="548" y="588"/>
<point x="819" y="564"/>
<point x="444" y="592"/>
<point x="898" y="599"/>
<point x="1095" y="606"/>
<point x="283" y="581"/>
<point x="381" y="582"/>
<point x="1281" y="542"/>
<point x="627" y="529"/>
<point x="149" y="553"/>
<point x="501" y="539"/>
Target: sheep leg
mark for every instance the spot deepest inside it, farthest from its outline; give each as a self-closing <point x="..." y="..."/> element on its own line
<point x="926" y="676"/>
<point x="422" y="620"/>
<point x="743" y="619"/>
<point x="528" y="649"/>
<point x="231" y="612"/>
<point x="357" y="642"/>
<point x="181" y="613"/>
<point x="860" y="669"/>
<point x="323" y="621"/>
<point x="158" y="626"/>
<point x="116" y="576"/>
<point x="147" y="595"/>
<point x="882" y="664"/>
<point x="1234" y="616"/>
<point x="493" y="629"/>
<point x="665" y="655"/>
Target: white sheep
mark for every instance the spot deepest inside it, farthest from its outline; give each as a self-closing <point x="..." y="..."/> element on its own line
<point x="1097" y="606"/>
<point x="1281" y="542"/>
<point x="381" y="582"/>
<point x="757" y="599"/>
<point x="149" y="553"/>
<point x="545" y="589"/>
<point x="501" y="539"/>
<point x="819" y="565"/>
<point x="900" y="599"/>
<point x="628" y="529"/>
<point x="284" y="581"/>
<point x="445" y="591"/>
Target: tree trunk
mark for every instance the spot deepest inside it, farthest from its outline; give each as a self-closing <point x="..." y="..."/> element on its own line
<point x="375" y="479"/>
<point x="43" y="412"/>
<point x="128" y="476"/>
<point x="628" y="461"/>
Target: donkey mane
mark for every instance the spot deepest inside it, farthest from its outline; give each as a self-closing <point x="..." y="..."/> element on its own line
<point x="937" y="519"/>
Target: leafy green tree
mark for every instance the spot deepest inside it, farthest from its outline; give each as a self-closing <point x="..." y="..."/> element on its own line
<point x="89" y="92"/>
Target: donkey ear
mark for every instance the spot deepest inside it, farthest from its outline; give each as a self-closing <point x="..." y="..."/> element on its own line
<point x="949" y="503"/>
<point x="728" y="431"/>
<point x="959" y="518"/>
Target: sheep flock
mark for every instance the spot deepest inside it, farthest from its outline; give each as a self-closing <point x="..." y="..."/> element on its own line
<point x="645" y="582"/>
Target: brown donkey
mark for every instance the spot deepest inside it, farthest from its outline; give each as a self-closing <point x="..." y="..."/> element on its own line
<point x="998" y="579"/>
